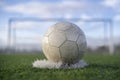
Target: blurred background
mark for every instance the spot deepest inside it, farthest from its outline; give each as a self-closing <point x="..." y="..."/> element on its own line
<point x="23" y="23"/>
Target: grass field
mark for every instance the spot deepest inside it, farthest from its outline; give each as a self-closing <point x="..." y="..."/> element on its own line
<point x="19" y="67"/>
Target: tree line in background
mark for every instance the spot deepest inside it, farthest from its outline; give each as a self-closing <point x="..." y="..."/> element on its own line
<point x="101" y="49"/>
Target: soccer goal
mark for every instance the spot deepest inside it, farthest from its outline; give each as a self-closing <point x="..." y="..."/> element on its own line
<point x="25" y="34"/>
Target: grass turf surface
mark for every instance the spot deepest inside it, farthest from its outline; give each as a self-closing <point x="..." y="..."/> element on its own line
<point x="19" y="67"/>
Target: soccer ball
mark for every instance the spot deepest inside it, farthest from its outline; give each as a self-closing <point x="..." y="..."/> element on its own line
<point x="64" y="42"/>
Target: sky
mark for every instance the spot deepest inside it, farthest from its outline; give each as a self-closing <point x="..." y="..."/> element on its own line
<point x="85" y="9"/>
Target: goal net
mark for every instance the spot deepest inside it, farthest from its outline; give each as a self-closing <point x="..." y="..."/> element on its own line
<point x="25" y="34"/>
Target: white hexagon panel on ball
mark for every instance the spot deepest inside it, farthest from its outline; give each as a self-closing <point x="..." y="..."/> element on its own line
<point x="64" y="42"/>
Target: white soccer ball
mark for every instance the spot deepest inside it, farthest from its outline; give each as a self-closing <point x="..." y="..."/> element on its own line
<point x="64" y="42"/>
